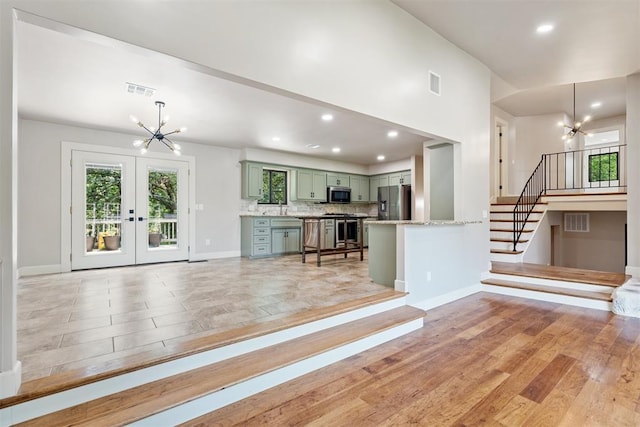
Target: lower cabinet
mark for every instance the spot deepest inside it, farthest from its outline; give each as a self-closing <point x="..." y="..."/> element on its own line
<point x="269" y="236"/>
<point x="285" y="240"/>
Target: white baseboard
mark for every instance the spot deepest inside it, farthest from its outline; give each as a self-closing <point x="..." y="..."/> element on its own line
<point x="35" y="270"/>
<point x="448" y="297"/>
<point x="633" y="271"/>
<point x="400" y="285"/>
<point x="214" y="255"/>
<point x="10" y="381"/>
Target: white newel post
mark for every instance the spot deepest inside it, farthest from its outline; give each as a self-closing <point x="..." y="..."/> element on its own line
<point x="9" y="365"/>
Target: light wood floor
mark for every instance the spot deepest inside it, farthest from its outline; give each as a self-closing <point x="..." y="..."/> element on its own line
<point x="81" y="319"/>
<point x="484" y="360"/>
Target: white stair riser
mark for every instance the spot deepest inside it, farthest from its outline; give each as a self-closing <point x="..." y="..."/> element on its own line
<point x="508" y="246"/>
<point x="553" y="283"/>
<point x="508" y="235"/>
<point x="506" y="257"/>
<point x="509" y="216"/>
<point x="529" y="226"/>
<point x="543" y="296"/>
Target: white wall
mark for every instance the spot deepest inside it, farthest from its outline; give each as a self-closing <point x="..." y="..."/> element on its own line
<point x="536" y="135"/>
<point x="605" y="122"/>
<point x="447" y="267"/>
<point x="297" y="160"/>
<point x="633" y="174"/>
<point x="217" y="188"/>
<point x="538" y="248"/>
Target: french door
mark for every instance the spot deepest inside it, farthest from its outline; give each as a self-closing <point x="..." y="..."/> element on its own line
<point x="127" y="210"/>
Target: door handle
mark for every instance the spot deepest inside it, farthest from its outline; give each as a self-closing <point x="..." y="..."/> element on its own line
<point x="141" y="218"/>
<point x="131" y="219"/>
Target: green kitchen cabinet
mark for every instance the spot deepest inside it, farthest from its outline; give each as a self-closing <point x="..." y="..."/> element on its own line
<point x="310" y="185"/>
<point x="285" y="240"/>
<point x="337" y="180"/>
<point x="252" y="180"/>
<point x="359" y="188"/>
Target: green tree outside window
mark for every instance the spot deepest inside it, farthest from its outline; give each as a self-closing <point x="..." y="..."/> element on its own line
<point x="274" y="187"/>
<point x="603" y="167"/>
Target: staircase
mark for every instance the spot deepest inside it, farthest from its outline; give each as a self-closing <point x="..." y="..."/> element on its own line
<point x="583" y="288"/>
<point x="205" y="378"/>
<point x="501" y="230"/>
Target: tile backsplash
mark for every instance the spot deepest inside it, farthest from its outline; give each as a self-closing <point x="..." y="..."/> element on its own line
<point x="292" y="208"/>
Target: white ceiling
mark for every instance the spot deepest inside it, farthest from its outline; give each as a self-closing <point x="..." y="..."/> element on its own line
<point x="79" y="82"/>
<point x="595" y="43"/>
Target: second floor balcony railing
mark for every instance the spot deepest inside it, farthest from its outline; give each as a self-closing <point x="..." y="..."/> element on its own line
<point x="602" y="169"/>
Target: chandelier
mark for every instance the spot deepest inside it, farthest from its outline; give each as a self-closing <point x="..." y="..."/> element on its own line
<point x="156" y="133"/>
<point x="576" y="127"/>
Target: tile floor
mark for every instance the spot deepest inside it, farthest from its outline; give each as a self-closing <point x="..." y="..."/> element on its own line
<point x="79" y="319"/>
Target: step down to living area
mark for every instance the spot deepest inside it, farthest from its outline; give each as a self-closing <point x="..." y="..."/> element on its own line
<point x="584" y="288"/>
<point x="184" y="396"/>
<point x="603" y="296"/>
<point x="505" y="251"/>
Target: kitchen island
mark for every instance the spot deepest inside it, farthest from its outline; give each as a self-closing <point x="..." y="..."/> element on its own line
<point x="312" y="236"/>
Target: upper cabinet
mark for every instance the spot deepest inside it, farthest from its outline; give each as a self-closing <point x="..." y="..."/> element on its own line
<point x="337" y="180"/>
<point x="252" y="180"/>
<point x="400" y="178"/>
<point x="359" y="188"/>
<point x="310" y="185"/>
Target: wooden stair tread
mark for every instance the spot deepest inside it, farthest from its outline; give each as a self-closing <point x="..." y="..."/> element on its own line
<point x="151" y="398"/>
<point x="550" y="289"/>
<point x="505" y="251"/>
<point x="507" y="240"/>
<point x="510" y="220"/>
<point x="509" y="230"/>
<point x="566" y="274"/>
<point x="67" y="380"/>
<point x="511" y="212"/>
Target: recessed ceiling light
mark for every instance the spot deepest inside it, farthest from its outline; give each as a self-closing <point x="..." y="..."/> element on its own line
<point x="596" y="104"/>
<point x="327" y="117"/>
<point x="392" y="133"/>
<point x="380" y="157"/>
<point x="544" y="28"/>
<point x="314" y="146"/>
<point x="336" y="149"/>
<point x="275" y="138"/>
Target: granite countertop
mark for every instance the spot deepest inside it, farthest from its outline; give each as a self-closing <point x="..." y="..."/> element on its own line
<point x="415" y="222"/>
<point x="304" y="215"/>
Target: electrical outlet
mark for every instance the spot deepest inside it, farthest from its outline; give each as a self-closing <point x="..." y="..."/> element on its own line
<point x="207" y="242"/>
<point x="484" y="213"/>
<point x="428" y="276"/>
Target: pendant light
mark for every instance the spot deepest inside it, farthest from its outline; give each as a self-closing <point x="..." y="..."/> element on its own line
<point x="156" y="133"/>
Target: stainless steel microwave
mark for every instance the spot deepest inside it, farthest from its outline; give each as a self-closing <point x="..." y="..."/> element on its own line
<point x="338" y="195"/>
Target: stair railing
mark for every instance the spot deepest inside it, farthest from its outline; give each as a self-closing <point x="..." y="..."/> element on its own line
<point x="533" y="189"/>
<point x="599" y="168"/>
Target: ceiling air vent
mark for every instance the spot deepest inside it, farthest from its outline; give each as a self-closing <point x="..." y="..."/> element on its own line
<point x="139" y="89"/>
<point x="576" y="222"/>
<point x="434" y="83"/>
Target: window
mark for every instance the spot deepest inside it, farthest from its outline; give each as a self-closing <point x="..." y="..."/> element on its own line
<point x="274" y="186"/>
<point x="603" y="167"/>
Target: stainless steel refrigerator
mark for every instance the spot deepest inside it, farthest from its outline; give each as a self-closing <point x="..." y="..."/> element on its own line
<point x="394" y="202"/>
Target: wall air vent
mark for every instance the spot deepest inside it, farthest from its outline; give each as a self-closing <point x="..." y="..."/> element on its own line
<point x="576" y="222"/>
<point x="139" y="89"/>
<point x="434" y="83"/>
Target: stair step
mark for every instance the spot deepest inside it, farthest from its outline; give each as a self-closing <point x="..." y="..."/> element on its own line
<point x="505" y="251"/>
<point x="508" y="240"/>
<point x="151" y="398"/>
<point x="509" y="230"/>
<point x="511" y="221"/>
<point x="566" y="274"/>
<point x="602" y="296"/>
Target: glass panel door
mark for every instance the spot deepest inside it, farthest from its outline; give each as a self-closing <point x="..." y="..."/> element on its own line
<point x="102" y="210"/>
<point x="162" y="206"/>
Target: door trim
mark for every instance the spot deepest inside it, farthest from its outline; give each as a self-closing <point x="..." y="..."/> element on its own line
<point x="66" y="148"/>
